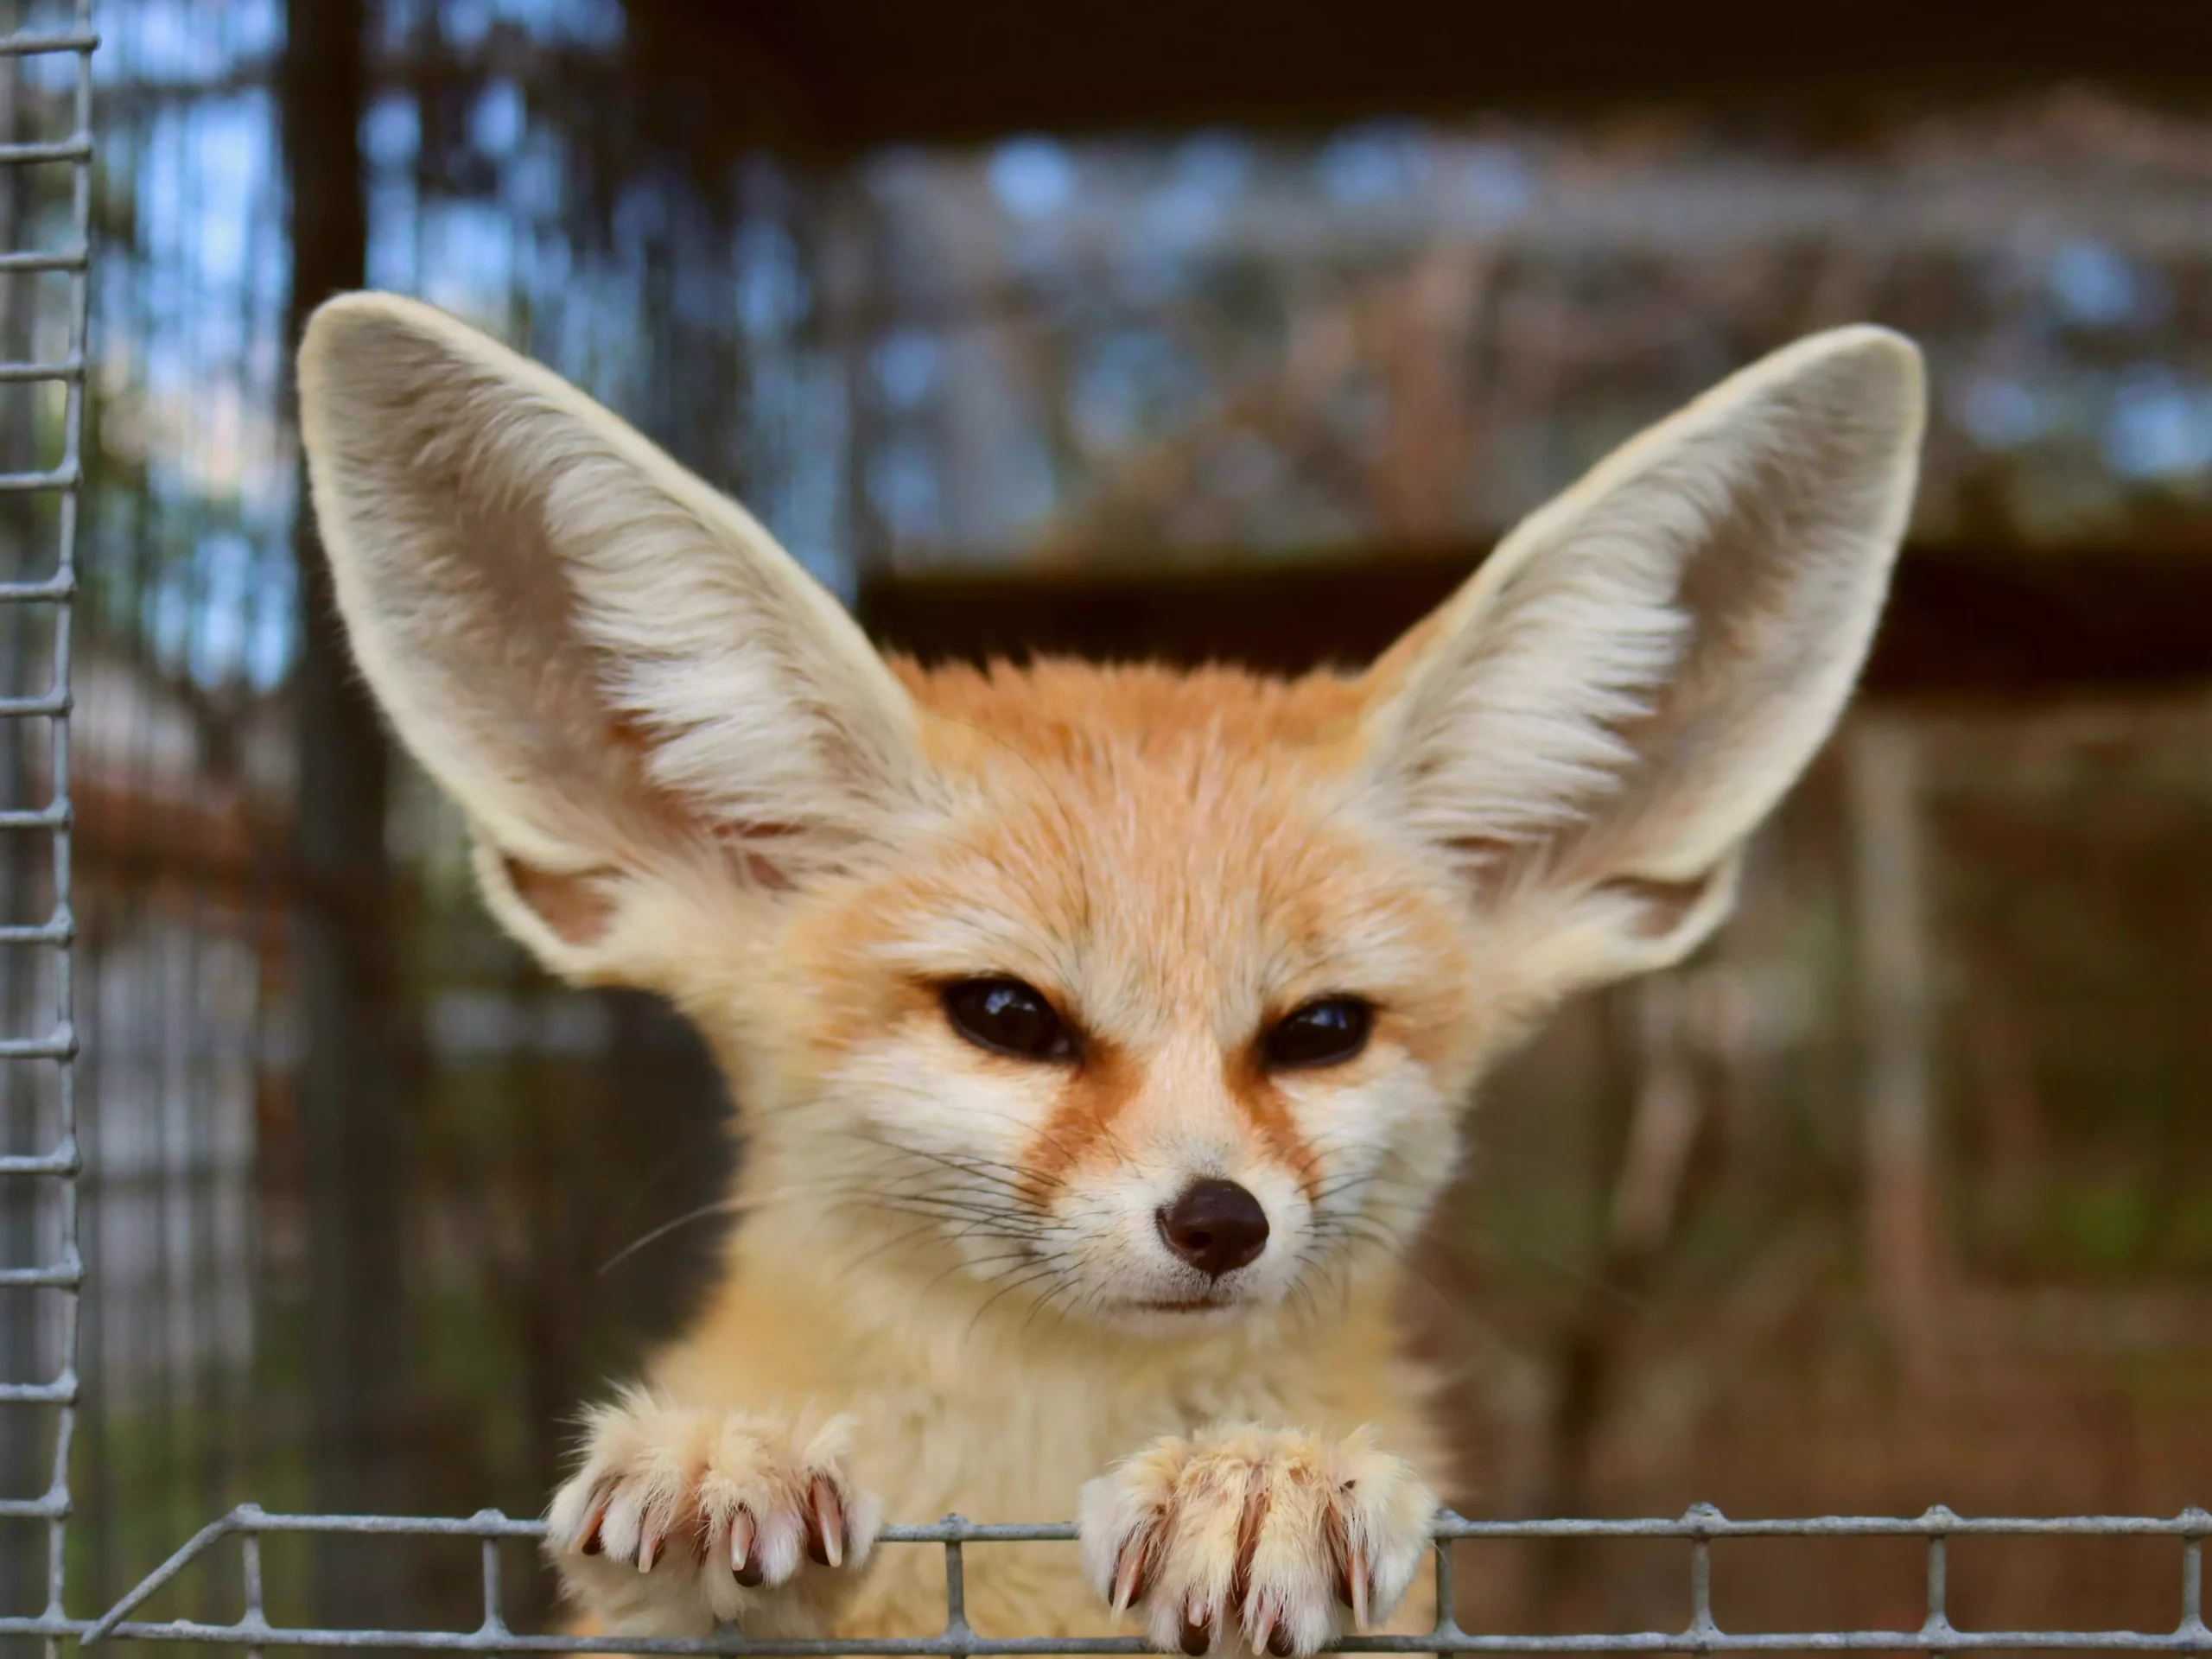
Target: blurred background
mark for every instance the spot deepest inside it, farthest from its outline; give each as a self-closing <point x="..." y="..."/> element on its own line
<point x="1230" y="331"/>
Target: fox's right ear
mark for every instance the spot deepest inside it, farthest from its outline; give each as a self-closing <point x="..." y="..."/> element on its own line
<point x="628" y="687"/>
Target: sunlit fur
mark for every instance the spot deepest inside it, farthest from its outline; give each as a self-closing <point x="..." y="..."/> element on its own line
<point x="946" y="1287"/>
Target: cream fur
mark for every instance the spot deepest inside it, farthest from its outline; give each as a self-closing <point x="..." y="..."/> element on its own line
<point x="947" y="1290"/>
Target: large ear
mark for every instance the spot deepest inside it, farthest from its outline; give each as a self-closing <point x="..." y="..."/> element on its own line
<point x="625" y="682"/>
<point x="1593" y="725"/>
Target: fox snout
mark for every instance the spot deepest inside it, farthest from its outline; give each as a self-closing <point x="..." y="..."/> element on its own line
<point x="1216" y="1226"/>
<point x="1172" y="1231"/>
<point x="1185" y="1188"/>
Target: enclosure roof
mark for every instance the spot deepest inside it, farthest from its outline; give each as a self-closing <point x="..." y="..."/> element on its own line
<point x="837" y="73"/>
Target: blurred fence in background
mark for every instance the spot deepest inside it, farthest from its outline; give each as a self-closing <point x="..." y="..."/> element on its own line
<point x="1902" y="1194"/>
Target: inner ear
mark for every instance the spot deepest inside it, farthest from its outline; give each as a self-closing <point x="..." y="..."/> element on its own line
<point x="750" y="848"/>
<point x="574" y="906"/>
<point x="1663" y="909"/>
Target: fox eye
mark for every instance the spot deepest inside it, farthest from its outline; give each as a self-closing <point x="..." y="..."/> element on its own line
<point x="1327" y="1030"/>
<point x="1007" y="1017"/>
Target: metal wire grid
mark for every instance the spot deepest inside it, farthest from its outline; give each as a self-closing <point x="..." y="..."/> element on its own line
<point x="1699" y="1528"/>
<point x="56" y="1166"/>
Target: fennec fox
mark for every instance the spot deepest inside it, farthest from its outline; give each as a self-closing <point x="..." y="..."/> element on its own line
<point x="1102" y="1033"/>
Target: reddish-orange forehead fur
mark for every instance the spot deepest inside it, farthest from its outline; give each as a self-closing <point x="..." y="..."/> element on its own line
<point x="1055" y="708"/>
<point x="1166" y="855"/>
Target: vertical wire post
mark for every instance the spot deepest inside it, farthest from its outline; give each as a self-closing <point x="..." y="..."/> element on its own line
<point x="1938" y="1625"/>
<point x="256" y="1617"/>
<point x="495" y="1622"/>
<point x="2192" y="1627"/>
<point x="1448" y="1599"/>
<point x="955" y="1585"/>
<point x="1700" y="1517"/>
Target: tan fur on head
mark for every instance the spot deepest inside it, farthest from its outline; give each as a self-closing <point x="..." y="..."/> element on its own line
<point x="686" y="769"/>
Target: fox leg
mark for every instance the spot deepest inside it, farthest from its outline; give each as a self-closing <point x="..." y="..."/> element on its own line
<point x="681" y="1518"/>
<point x="1254" y="1538"/>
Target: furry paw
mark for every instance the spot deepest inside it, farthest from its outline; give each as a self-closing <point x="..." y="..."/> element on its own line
<point x="1255" y="1538"/>
<point x="681" y="1517"/>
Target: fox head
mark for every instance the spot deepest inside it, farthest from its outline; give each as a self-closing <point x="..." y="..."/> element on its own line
<point x="1149" y="999"/>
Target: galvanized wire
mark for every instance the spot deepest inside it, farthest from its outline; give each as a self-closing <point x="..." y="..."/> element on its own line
<point x="1699" y="1527"/>
<point x="55" y="1044"/>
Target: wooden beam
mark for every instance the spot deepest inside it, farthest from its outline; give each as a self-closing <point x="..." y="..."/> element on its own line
<point x="354" y="1027"/>
<point x="842" y="74"/>
<point x="1961" y="622"/>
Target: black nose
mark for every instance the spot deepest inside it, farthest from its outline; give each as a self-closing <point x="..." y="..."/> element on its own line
<point x="1215" y="1226"/>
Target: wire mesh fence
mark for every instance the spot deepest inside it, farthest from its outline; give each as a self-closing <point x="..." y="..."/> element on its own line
<point x="42" y="1270"/>
<point x="1699" y="1529"/>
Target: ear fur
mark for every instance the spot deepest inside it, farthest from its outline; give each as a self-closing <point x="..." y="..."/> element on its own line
<point x="1601" y="716"/>
<point x="625" y="682"/>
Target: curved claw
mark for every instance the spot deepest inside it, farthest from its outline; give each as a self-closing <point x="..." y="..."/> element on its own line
<point x="1355" y="1581"/>
<point x="587" y="1541"/>
<point x="1264" y="1628"/>
<point x="1197" y="1630"/>
<point x="1132" y="1574"/>
<point x="744" y="1559"/>
<point x="825" y="1524"/>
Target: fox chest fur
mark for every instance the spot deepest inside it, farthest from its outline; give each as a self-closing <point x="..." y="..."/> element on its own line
<point x="996" y="1423"/>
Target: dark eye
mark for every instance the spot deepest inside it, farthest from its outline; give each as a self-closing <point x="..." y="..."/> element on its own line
<point x="1325" y="1032"/>
<point x="1007" y="1017"/>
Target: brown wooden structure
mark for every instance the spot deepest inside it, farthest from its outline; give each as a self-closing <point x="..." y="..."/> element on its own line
<point x="839" y="75"/>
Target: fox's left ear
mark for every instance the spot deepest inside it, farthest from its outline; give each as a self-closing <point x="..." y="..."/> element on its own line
<point x="1595" y="722"/>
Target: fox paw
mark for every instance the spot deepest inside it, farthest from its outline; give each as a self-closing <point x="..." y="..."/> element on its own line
<point x="681" y="1518"/>
<point x="1254" y="1539"/>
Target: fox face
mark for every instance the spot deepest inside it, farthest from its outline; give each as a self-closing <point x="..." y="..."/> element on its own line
<point x="1158" y="1024"/>
<point x="1141" y="1000"/>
